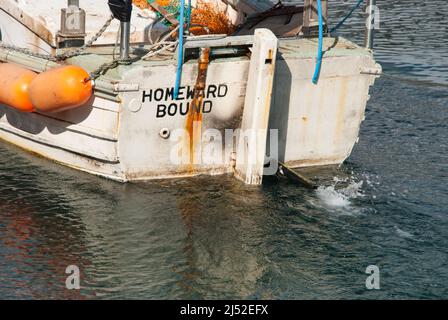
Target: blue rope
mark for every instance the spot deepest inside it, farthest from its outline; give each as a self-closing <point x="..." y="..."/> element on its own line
<point x="180" y="56"/>
<point x="347" y="16"/>
<point x="321" y="40"/>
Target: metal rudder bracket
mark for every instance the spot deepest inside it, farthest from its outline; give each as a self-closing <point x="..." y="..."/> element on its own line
<point x="295" y="176"/>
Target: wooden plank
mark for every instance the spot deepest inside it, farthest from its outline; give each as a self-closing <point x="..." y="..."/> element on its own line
<point x="251" y="149"/>
<point x="218" y="41"/>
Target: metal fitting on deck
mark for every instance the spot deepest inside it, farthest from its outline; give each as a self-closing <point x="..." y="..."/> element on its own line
<point x="73" y="26"/>
<point x="122" y="10"/>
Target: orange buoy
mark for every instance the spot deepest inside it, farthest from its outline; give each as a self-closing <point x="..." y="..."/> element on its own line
<point x="14" y="85"/>
<point x="60" y="89"/>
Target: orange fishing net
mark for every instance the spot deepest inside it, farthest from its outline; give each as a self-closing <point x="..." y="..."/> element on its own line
<point x="210" y="16"/>
<point x="206" y="17"/>
<point x="142" y="4"/>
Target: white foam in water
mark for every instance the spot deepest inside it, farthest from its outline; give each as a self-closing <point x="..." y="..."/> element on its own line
<point x="339" y="198"/>
<point x="331" y="197"/>
<point x="403" y="233"/>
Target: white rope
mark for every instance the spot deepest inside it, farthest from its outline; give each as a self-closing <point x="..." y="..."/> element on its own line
<point x="170" y="46"/>
<point x="166" y="45"/>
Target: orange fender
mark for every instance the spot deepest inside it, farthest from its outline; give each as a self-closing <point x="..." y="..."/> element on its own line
<point x="14" y="86"/>
<point x="60" y="89"/>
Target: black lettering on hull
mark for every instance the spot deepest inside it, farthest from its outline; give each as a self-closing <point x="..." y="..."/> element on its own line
<point x="168" y="106"/>
<point x="182" y="108"/>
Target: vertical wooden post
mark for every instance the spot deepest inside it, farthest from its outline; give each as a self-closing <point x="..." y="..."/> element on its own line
<point x="251" y="150"/>
<point x="311" y="19"/>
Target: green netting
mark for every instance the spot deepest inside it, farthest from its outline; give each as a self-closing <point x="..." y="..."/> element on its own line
<point x="172" y="7"/>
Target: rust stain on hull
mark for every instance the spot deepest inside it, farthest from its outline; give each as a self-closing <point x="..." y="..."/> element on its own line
<point x="193" y="124"/>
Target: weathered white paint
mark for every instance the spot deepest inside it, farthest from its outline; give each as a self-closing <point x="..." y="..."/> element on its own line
<point x="319" y="125"/>
<point x="143" y="152"/>
<point x="72" y="132"/>
<point x="251" y="150"/>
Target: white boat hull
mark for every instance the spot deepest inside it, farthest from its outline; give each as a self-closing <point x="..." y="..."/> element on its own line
<point x="318" y="124"/>
<point x="133" y="134"/>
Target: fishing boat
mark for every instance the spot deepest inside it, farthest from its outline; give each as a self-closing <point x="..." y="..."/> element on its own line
<point x="153" y="89"/>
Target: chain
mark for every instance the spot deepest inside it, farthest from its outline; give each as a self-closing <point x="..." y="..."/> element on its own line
<point x="102" y="69"/>
<point x="161" y="45"/>
<point x="63" y="56"/>
<point x="28" y="52"/>
<point x="156" y="48"/>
